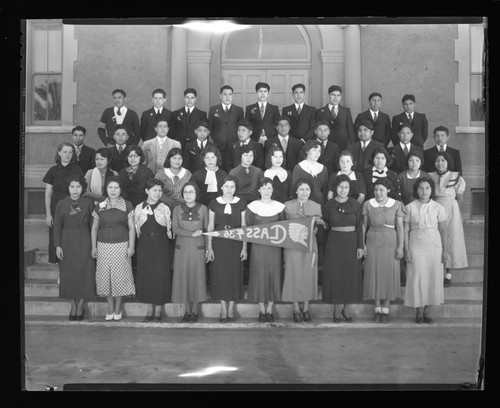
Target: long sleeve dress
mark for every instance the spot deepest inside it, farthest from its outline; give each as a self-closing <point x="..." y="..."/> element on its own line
<point x="189" y="281"/>
<point x="447" y="187"/>
<point x="72" y="223"/>
<point x="134" y="186"/>
<point x="172" y="186"/>
<point x="342" y="271"/>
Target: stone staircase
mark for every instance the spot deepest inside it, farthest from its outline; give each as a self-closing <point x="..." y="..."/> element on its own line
<point x="463" y="300"/>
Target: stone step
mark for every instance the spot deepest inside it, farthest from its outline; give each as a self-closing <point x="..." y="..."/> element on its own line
<point x="41" y="271"/>
<point x="53" y="306"/>
<point x="472" y="274"/>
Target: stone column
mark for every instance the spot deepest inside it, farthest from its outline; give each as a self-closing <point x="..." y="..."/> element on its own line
<point x="333" y="71"/>
<point x="179" y="67"/>
<point x="199" y="75"/>
<point x="352" y="90"/>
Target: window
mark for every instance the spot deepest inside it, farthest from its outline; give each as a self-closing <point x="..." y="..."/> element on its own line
<point x="476" y="75"/>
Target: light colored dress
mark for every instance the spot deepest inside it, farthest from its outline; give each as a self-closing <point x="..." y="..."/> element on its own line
<point x="382" y="279"/>
<point x="447" y="187"/>
<point x="424" y="274"/>
<point x="301" y="268"/>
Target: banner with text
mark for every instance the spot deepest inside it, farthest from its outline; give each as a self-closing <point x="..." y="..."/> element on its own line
<point x="294" y="234"/>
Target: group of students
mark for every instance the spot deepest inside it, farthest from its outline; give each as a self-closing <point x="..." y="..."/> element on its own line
<point x="132" y="222"/>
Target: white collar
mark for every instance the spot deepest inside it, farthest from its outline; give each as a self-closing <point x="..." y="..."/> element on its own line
<point x="390" y="202"/>
<point x="411" y="114"/>
<point x="245" y="142"/>
<point x="313" y="169"/>
<point x="365" y="143"/>
<point x="373" y="113"/>
<point x="187" y="108"/>
<point x="266" y="210"/>
<point x="403" y="145"/>
<point x="122" y="109"/>
<point x="299" y="105"/>
<point x="283" y="137"/>
<point x="280" y="172"/>
<point x="445" y="146"/>
<point x="262" y="103"/>
<point x="158" y="109"/>
<point x="233" y="201"/>
<point x="352" y="176"/>
<point x="161" y="140"/>
<point x="198" y="142"/>
<point x="374" y="169"/>
<point x="226" y="106"/>
<point x="412" y="178"/>
<point x="330" y="106"/>
<point x="171" y="175"/>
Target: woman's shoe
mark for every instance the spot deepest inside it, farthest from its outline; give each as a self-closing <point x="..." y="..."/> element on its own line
<point x="79" y="317"/>
<point x="384" y="318"/>
<point x="222" y="319"/>
<point x="230" y="319"/>
<point x="186" y="318"/>
<point x="269" y="318"/>
<point x="193" y="318"/>
<point x="337" y="319"/>
<point x="149" y="318"/>
<point x="306" y="316"/>
<point x="262" y="317"/>
<point x="72" y="317"/>
<point x="109" y="316"/>
<point x="419" y="319"/>
<point x="428" y="320"/>
<point x="348" y="319"/>
<point x="377" y="317"/>
<point x="117" y="316"/>
<point x="296" y="317"/>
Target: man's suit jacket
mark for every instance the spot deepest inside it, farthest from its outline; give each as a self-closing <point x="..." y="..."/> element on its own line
<point x="148" y="122"/>
<point x="330" y="156"/>
<point x="107" y="124"/>
<point x="399" y="160"/>
<point x="362" y="159"/>
<point x="268" y="123"/>
<point x="150" y="149"/>
<point x="420" y="128"/>
<point x="381" y="128"/>
<point x="224" y="127"/>
<point x="117" y="161"/>
<point x="86" y="160"/>
<point x="341" y="128"/>
<point x="235" y="160"/>
<point x="181" y="129"/>
<point x="303" y="125"/>
<point x="292" y="154"/>
<point x="191" y="156"/>
<point x="430" y="158"/>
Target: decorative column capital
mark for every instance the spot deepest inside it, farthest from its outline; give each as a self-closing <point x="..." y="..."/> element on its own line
<point x="328" y="56"/>
<point x="199" y="56"/>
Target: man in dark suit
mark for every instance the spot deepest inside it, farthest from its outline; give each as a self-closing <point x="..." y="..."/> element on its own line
<point x="403" y="149"/>
<point x="302" y="116"/>
<point x="418" y="121"/>
<point x="118" y="159"/>
<point x="245" y="130"/>
<point x="363" y="149"/>
<point x="339" y="118"/>
<point x="85" y="156"/>
<point x="329" y="150"/>
<point x="290" y="145"/>
<point x="223" y="120"/>
<point x="381" y="121"/>
<point x="118" y="115"/>
<point x="185" y="119"/>
<point x="150" y="117"/>
<point x="441" y="136"/>
<point x="262" y="115"/>
<point x="192" y="159"/>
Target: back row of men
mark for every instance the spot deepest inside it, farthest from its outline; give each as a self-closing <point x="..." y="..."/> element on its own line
<point x="192" y="128"/>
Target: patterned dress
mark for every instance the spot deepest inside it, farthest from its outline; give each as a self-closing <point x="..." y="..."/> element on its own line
<point x="189" y="282"/>
<point x="448" y="186"/>
<point x="172" y="186"/>
<point x="406" y="184"/>
<point x="114" y="269"/>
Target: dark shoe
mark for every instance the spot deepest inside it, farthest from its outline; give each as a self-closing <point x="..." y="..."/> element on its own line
<point x="186" y="318"/>
<point x="377" y="317"/>
<point x="447" y="282"/>
<point x="384" y="318"/>
<point x="269" y="318"/>
<point x="193" y="318"/>
<point x="347" y="319"/>
<point x="428" y="320"/>
<point x="79" y="317"/>
<point x="72" y="317"/>
<point x="337" y="319"/>
<point x="419" y="319"/>
<point x="262" y="317"/>
<point x="149" y="318"/>
<point x="296" y="317"/>
<point x="222" y="319"/>
<point x="306" y="316"/>
<point x="158" y="318"/>
<point x="230" y="319"/>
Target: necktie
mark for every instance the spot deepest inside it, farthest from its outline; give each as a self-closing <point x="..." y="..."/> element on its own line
<point x="158" y="113"/>
<point x="247" y="170"/>
<point x="363" y="146"/>
<point x="78" y="150"/>
<point x="226" y="110"/>
<point x="262" y="110"/>
<point x="406" y="150"/>
<point x="284" y="144"/>
<point x="409" y="118"/>
<point x="299" y="110"/>
<point x="120" y="149"/>
<point x="333" y="113"/>
<point x="188" y="114"/>
<point x="441" y="148"/>
<point x="201" y="145"/>
<point x="375" y="117"/>
<point x="118" y="112"/>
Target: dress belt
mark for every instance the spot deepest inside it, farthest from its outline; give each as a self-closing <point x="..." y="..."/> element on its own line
<point x="154" y="234"/>
<point x="349" y="228"/>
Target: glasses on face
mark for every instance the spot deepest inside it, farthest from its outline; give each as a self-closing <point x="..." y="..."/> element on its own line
<point x="189" y="192"/>
<point x="133" y="156"/>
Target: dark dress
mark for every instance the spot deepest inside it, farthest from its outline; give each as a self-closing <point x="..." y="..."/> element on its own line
<point x="282" y="190"/>
<point x="72" y="223"/>
<point x="134" y="188"/>
<point x="342" y="279"/>
<point x="154" y="275"/>
<point x="391" y="175"/>
<point x="357" y="186"/>
<point x="56" y="176"/>
<point x="226" y="277"/>
<point x="199" y="177"/>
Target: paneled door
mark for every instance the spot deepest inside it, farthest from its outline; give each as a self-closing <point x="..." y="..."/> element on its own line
<point x="280" y="81"/>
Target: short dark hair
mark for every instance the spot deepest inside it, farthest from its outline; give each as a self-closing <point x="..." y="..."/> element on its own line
<point x="104" y="152"/>
<point x="246" y="149"/>
<point x="381" y="150"/>
<point x="229" y="177"/>
<point x="135" y="148"/>
<point x="159" y="90"/>
<point x="195" y="186"/>
<point x="384" y="181"/>
<point x="119" y="91"/>
<point x="190" y="90"/>
<point x="150" y="183"/>
<point x="161" y="120"/>
<point x="402" y="125"/>
<point x="274" y="148"/>
<point x="334" y="88"/>
<point x="118" y="127"/>
<point x="366" y="123"/>
<point x="298" y="86"/>
<point x="75" y="177"/>
<point x="373" y="94"/>
<point x="262" y="85"/>
<point x="340" y="179"/>
<point x="419" y="181"/>
<point x="442" y="129"/>
<point x="310" y="144"/>
<point x="174" y="151"/>
<point x="416" y="153"/>
<point x="226" y="87"/>
<point x="262" y="181"/>
<point x="283" y="117"/>
<point x="109" y="180"/>
<point x="448" y="158"/>
<point x="348" y="153"/>
<point x="299" y="182"/>
<point x="408" y="97"/>
<point x="214" y="150"/>
<point x="80" y="128"/>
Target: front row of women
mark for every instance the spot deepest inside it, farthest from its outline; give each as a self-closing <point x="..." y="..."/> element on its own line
<point x="381" y="231"/>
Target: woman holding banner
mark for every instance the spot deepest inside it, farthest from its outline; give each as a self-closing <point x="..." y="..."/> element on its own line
<point x="342" y="282"/>
<point x="264" y="285"/>
<point x="301" y="268"/>
<point x="226" y="277"/>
